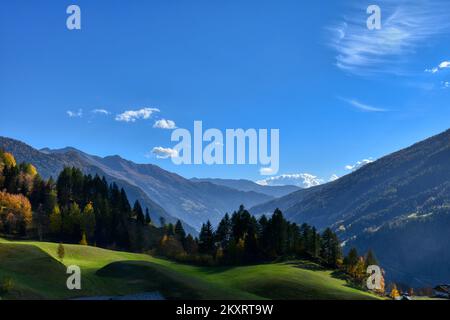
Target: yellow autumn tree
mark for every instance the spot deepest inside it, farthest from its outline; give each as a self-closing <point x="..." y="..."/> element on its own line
<point x="31" y="170"/>
<point x="83" y="240"/>
<point x="394" y="292"/>
<point x="7" y="159"/>
<point x="15" y="213"/>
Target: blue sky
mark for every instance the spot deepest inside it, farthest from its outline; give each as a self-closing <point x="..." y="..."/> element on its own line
<point x="338" y="92"/>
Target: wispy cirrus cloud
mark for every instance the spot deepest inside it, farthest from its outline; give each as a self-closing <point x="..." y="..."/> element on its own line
<point x="362" y="106"/>
<point x="101" y="112"/>
<point x="133" y="115"/>
<point x="406" y="25"/>
<point x="164" y="124"/>
<point x="443" y="65"/>
<point x="75" y="114"/>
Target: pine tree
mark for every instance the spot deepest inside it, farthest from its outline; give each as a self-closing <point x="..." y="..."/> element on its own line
<point x="162" y="222"/>
<point x="190" y="245"/>
<point x="179" y="231"/>
<point x="223" y="232"/>
<point x="331" y="250"/>
<point x="370" y="259"/>
<point x="279" y="233"/>
<point x="56" y="221"/>
<point x="351" y="261"/>
<point x="71" y="225"/>
<point x="206" y="239"/>
<point x="138" y="213"/>
<point x="148" y="219"/>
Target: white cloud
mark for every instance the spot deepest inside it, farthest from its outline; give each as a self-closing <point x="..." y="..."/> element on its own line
<point x="164" y="153"/>
<point x="433" y="70"/>
<point x="443" y="65"/>
<point x="101" y="111"/>
<point x="363" y="106"/>
<point x="406" y="26"/>
<point x="304" y="180"/>
<point x="133" y="115"/>
<point x="358" y="164"/>
<point x="446" y="84"/>
<point x="164" y="124"/>
<point x="266" y="171"/>
<point x="75" y="114"/>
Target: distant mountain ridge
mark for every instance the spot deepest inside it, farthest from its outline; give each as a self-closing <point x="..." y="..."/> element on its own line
<point x="383" y="200"/>
<point x="50" y="164"/>
<point x="247" y="185"/>
<point x="171" y="195"/>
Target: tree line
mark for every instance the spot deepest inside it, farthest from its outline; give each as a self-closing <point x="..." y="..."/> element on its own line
<point x="76" y="208"/>
<point x="86" y="209"/>
<point x="242" y="238"/>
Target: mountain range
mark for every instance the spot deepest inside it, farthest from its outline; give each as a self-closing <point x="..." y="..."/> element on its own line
<point x="248" y="185"/>
<point x="166" y="194"/>
<point x="398" y="205"/>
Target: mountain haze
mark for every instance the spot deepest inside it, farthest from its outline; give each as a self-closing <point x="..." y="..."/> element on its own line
<point x="247" y="185"/>
<point x="398" y="205"/>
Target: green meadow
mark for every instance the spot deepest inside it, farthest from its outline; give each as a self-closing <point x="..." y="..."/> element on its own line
<point x="37" y="273"/>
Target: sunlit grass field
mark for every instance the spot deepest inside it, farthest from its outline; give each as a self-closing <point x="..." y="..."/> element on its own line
<point x="37" y="273"/>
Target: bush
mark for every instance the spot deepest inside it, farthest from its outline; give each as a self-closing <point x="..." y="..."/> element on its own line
<point x="6" y="285"/>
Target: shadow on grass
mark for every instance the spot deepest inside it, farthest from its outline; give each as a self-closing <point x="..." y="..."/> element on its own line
<point x="307" y="265"/>
<point x="149" y="276"/>
<point x="350" y="283"/>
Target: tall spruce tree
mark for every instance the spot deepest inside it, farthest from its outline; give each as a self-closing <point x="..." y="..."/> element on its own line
<point x="180" y="234"/>
<point x="206" y="239"/>
<point x="138" y="213"/>
<point x="148" y="219"/>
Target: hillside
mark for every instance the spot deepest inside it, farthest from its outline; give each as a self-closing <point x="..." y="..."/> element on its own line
<point x="50" y="165"/>
<point x="247" y="185"/>
<point x="38" y="274"/>
<point x="405" y="193"/>
<point x="165" y="193"/>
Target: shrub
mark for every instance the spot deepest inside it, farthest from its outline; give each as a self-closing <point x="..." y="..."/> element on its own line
<point x="61" y="252"/>
<point x="6" y="285"/>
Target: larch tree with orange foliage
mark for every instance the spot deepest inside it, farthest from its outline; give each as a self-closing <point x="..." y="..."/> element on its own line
<point x="15" y="213"/>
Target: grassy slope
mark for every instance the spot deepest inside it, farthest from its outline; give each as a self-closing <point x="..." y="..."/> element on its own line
<point x="38" y="274"/>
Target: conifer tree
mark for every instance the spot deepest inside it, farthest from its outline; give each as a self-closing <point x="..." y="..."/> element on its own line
<point x="148" y="219"/>
<point x="179" y="231"/>
<point x="138" y="213"/>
